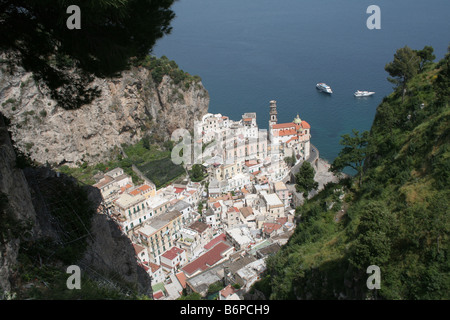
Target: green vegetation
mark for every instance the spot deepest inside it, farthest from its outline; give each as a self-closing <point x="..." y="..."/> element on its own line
<point x="212" y="293"/>
<point x="152" y="160"/>
<point x="48" y="282"/>
<point x="290" y="161"/>
<point x="215" y="287"/>
<point x="426" y="57"/>
<point x="197" y="174"/>
<point x="85" y="173"/>
<point x="305" y="179"/>
<point x="407" y="63"/>
<point x="163" y="66"/>
<point x="37" y="39"/>
<point x="404" y="66"/>
<point x="10" y="100"/>
<point x="353" y="153"/>
<point x="161" y="171"/>
<point x="397" y="218"/>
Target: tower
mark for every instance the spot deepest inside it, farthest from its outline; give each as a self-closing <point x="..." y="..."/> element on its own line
<point x="273" y="113"/>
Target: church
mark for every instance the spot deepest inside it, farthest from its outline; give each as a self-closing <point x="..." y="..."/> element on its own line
<point x="291" y="138"/>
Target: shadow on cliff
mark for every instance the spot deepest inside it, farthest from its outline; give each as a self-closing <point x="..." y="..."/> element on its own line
<point x="70" y="216"/>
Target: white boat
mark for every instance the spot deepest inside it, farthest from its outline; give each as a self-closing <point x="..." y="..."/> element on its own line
<point x="360" y="93"/>
<point x="324" y="87"/>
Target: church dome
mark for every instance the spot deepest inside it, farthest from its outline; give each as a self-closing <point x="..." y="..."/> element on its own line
<point x="297" y="120"/>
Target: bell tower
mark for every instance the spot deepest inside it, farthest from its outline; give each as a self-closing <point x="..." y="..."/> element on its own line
<point x="273" y="113"/>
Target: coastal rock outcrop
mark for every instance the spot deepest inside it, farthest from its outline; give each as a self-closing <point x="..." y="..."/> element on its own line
<point x="129" y="107"/>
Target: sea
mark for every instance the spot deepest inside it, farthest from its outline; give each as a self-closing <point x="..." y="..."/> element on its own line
<point x="249" y="52"/>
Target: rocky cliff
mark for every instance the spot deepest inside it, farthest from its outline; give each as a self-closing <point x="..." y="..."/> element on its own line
<point x="15" y="206"/>
<point x="38" y="234"/>
<point x="129" y="107"/>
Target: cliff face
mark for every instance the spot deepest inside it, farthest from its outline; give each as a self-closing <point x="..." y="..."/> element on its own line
<point x="112" y="254"/>
<point x="16" y="203"/>
<point x="129" y="107"/>
<point x="33" y="196"/>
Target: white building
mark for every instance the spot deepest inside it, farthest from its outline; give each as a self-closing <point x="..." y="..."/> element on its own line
<point x="173" y="259"/>
<point x="156" y="272"/>
<point x="238" y="181"/>
<point x="240" y="237"/>
<point x="274" y="206"/>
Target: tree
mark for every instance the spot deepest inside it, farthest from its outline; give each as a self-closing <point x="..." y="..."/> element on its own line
<point x="305" y="179"/>
<point x="113" y="33"/>
<point x="353" y="154"/>
<point x="290" y="161"/>
<point x="426" y="57"/>
<point x="442" y="83"/>
<point x="376" y="228"/>
<point x="405" y="65"/>
<point x="196" y="173"/>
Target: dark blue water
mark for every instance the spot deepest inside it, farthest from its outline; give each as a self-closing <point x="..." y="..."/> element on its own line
<point x="249" y="52"/>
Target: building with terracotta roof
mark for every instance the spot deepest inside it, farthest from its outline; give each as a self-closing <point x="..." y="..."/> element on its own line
<point x="228" y="293"/>
<point x="159" y="233"/>
<point x="111" y="183"/>
<point x="217" y="239"/>
<point x="158" y="295"/>
<point x="141" y="252"/>
<point x="291" y="138"/>
<point x="133" y="208"/>
<point x="246" y="213"/>
<point x="155" y="271"/>
<point x="173" y="259"/>
<point x="270" y="229"/>
<point x="233" y="217"/>
<point x="181" y="277"/>
<point x="217" y="254"/>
